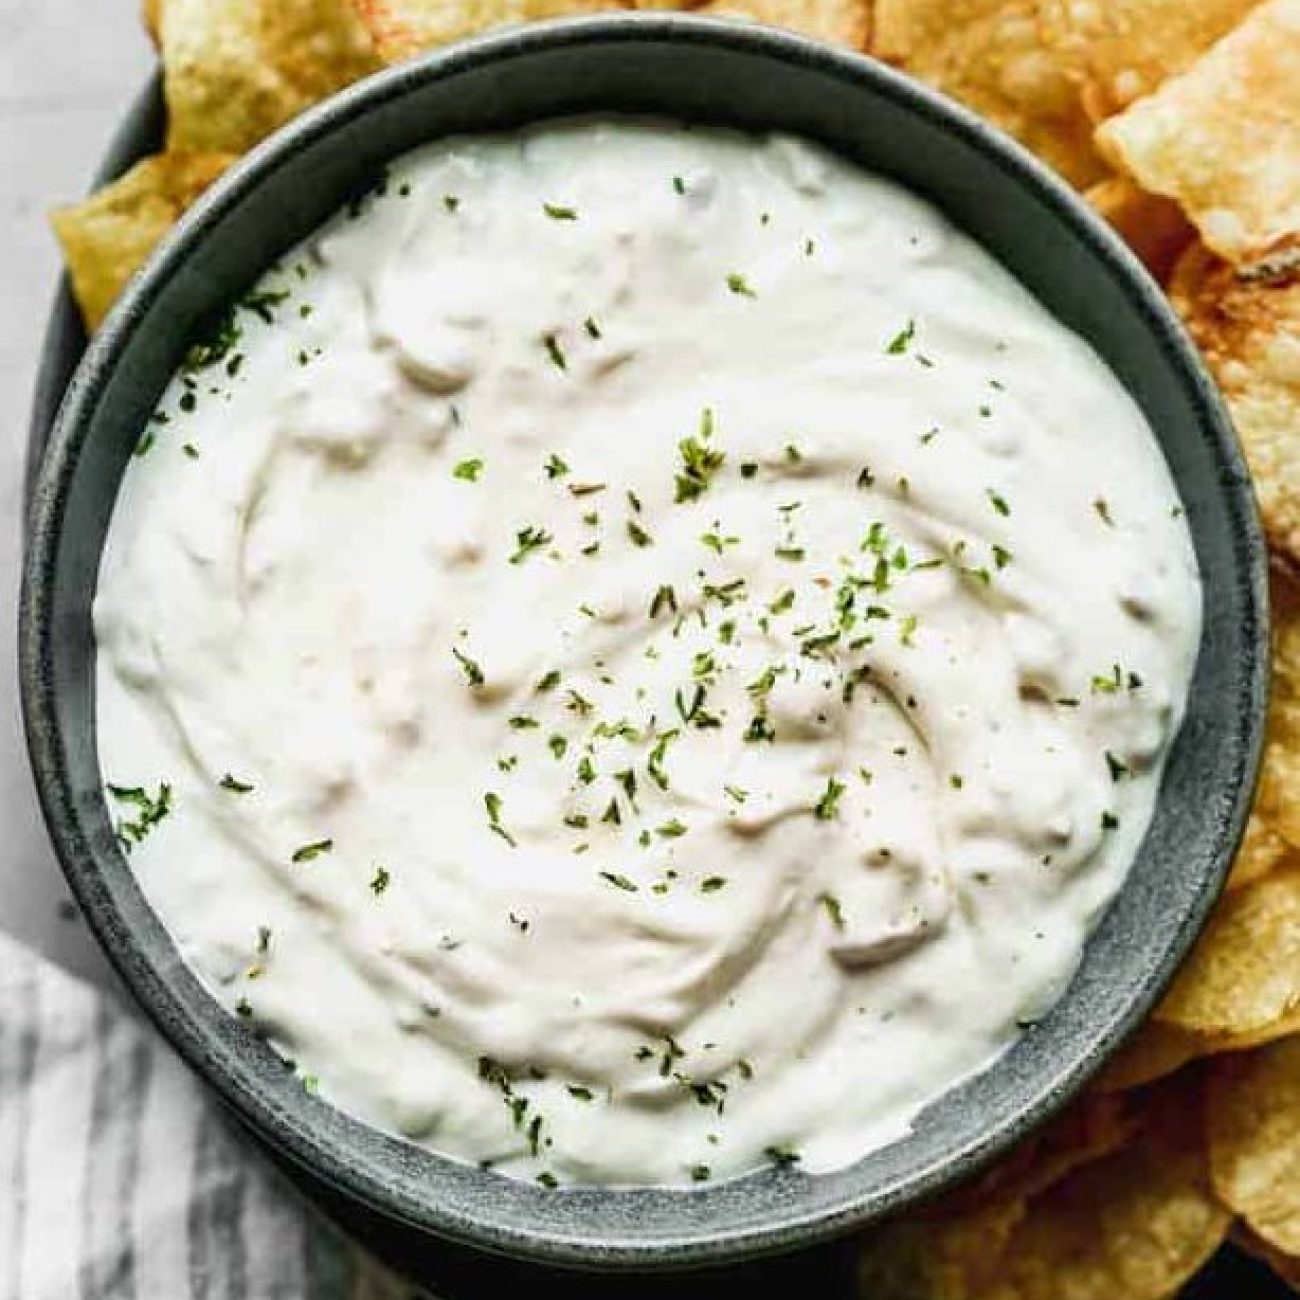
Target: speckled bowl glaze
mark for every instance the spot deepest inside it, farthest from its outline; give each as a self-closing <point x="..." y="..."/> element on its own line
<point x="752" y="78"/>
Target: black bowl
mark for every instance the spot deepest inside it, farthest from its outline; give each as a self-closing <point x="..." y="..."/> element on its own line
<point x="752" y="78"/>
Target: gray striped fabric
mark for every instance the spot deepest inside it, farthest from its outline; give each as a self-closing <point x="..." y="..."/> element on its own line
<point x="119" y="1180"/>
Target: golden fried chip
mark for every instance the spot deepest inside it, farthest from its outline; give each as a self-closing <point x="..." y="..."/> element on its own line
<point x="1135" y="1223"/>
<point x="1223" y="139"/>
<point x="1154" y="228"/>
<point x="402" y="28"/>
<point x="1248" y="327"/>
<point x="1253" y="1121"/>
<point x="840" y="22"/>
<point x="1121" y="50"/>
<point x="107" y="238"/>
<point x="990" y="55"/>
<point x="1153" y="1052"/>
<point x="152" y="10"/>
<point x="235" y="70"/>
<point x="1243" y="976"/>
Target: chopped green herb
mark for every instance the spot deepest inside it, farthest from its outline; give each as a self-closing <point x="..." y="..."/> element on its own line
<point x="558" y="212"/>
<point x="782" y="1156"/>
<point x="473" y="673"/>
<point x="528" y="540"/>
<point x="619" y="881"/>
<point x="902" y="340"/>
<point x="234" y="785"/>
<point x="151" y="809"/>
<point x="558" y="746"/>
<point x="827" y="806"/>
<point x="739" y="285"/>
<point x="379" y="881"/>
<point x="638" y="534"/>
<point x="998" y="502"/>
<point x="554" y="351"/>
<point x="700" y="462"/>
<point x="834" y="909"/>
<point x="711" y="884"/>
<point x="555" y="467"/>
<point x="492" y="802"/>
<point x="468" y="470"/>
<point x="309" y="852"/>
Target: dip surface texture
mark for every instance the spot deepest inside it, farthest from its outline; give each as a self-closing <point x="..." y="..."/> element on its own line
<point x="640" y="650"/>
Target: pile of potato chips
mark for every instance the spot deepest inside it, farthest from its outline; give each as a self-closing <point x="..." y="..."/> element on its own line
<point x="1180" y="120"/>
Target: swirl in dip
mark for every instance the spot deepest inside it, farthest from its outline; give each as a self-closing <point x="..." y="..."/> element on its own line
<point x="639" y="650"/>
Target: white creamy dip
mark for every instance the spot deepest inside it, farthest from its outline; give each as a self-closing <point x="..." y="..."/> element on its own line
<point x="639" y="650"/>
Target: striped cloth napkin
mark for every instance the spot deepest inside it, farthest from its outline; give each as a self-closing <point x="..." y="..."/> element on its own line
<point x="120" y="1180"/>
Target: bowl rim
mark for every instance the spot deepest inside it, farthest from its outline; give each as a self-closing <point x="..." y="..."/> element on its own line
<point x="332" y="1160"/>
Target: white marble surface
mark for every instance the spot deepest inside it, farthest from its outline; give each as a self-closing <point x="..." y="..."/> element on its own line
<point x="68" y="68"/>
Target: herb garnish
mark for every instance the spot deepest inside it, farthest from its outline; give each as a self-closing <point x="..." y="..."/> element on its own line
<point x="740" y="286"/>
<point x="619" y="881"/>
<point x="638" y="534"/>
<point x="492" y="802"/>
<point x="558" y="212"/>
<point x="309" y="852"/>
<point x="151" y="809"/>
<point x="473" y="673"/>
<point x="827" y="806"/>
<point x="468" y="470"/>
<point x="528" y="540"/>
<point x="554" y="351"/>
<point x="234" y="785"/>
<point x="700" y="462"/>
<point x="834" y="909"/>
<point x="901" y="341"/>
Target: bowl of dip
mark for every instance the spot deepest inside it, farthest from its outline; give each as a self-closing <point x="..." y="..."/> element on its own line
<point x="643" y="641"/>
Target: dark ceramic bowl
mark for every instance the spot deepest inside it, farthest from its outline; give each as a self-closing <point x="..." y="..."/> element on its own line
<point x="752" y="78"/>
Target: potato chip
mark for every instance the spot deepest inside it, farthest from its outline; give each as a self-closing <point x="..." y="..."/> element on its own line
<point x="1248" y="327"/>
<point x="1154" y="228"/>
<point x="1243" y="975"/>
<point x="403" y="28"/>
<point x="1154" y="1051"/>
<point x="235" y="70"/>
<point x="1223" y="139"/>
<point x="1253" y="1122"/>
<point x="107" y="238"/>
<point x="990" y="55"/>
<point x="840" y="22"/>
<point x="1121" y="50"/>
<point x="1135" y="1222"/>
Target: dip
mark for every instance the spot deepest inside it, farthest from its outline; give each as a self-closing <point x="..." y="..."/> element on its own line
<point x="638" y="651"/>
